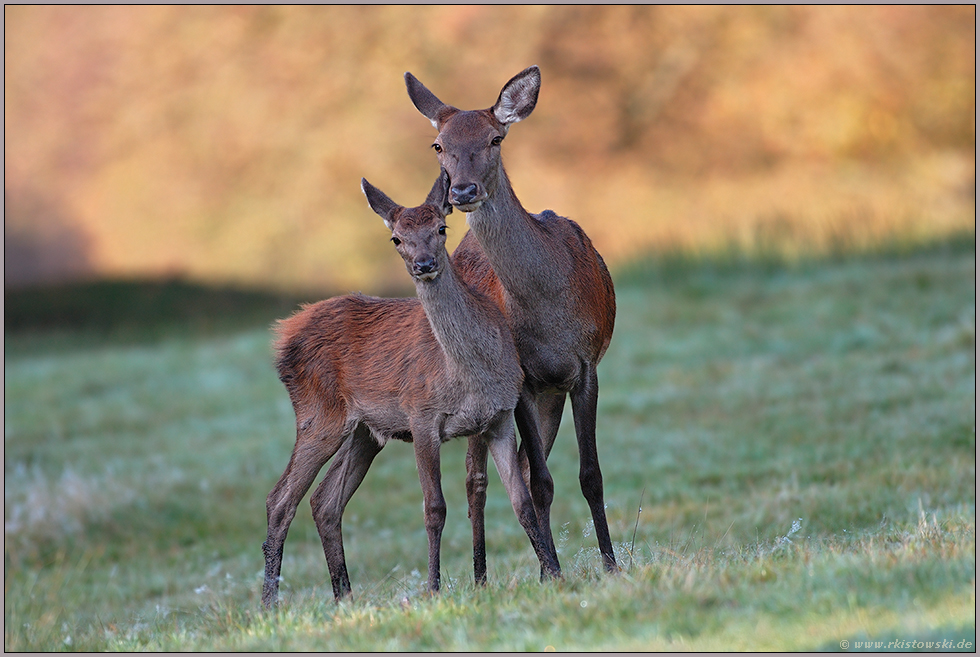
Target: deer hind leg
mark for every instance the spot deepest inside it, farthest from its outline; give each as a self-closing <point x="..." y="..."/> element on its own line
<point x="584" y="401"/>
<point x="476" y="497"/>
<point x="550" y="408"/>
<point x="427" y="445"/>
<point x="329" y="500"/>
<point x="530" y="414"/>
<point x="309" y="454"/>
<point x="502" y="444"/>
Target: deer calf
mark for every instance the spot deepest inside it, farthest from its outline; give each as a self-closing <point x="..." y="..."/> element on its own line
<point x="361" y="371"/>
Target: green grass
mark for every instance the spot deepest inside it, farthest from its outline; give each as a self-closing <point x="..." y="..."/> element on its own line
<point x="789" y="455"/>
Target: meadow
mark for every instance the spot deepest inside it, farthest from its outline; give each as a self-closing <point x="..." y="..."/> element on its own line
<point x="788" y="448"/>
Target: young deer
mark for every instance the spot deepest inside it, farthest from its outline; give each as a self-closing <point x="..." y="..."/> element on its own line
<point x="361" y="371"/>
<point x="544" y="273"/>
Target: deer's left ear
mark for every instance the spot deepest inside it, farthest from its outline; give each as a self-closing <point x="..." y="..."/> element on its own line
<point x="439" y="194"/>
<point x="518" y="97"/>
<point x="380" y="203"/>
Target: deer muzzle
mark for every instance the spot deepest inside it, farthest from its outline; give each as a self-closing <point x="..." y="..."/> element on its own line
<point x="425" y="270"/>
<point x="467" y="196"/>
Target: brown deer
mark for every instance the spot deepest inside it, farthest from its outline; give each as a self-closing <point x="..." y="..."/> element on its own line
<point x="361" y="371"/>
<point x="544" y="273"/>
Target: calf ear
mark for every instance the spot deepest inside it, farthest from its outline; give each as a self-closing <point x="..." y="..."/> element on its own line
<point x="425" y="101"/>
<point x="439" y="194"/>
<point x="380" y="203"/>
<point x="518" y="97"/>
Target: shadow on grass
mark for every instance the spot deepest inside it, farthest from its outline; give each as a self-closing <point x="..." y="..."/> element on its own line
<point x="136" y="311"/>
<point x="675" y="266"/>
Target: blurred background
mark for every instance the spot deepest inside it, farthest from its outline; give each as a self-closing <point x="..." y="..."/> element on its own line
<point x="225" y="145"/>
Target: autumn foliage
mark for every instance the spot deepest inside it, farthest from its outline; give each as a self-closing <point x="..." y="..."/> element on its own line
<point x="226" y="144"/>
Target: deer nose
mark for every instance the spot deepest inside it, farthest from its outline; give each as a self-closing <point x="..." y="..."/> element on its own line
<point x="463" y="194"/>
<point x="425" y="266"/>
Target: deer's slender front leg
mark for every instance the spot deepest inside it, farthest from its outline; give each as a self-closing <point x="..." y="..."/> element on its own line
<point x="430" y="476"/>
<point x="542" y="486"/>
<point x="584" y="401"/>
<point x="476" y="496"/>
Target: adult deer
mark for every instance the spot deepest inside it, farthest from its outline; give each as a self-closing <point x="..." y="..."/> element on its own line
<point x="361" y="371"/>
<point x="546" y="276"/>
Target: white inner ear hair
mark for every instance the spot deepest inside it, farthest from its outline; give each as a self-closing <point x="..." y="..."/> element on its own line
<point x="516" y="96"/>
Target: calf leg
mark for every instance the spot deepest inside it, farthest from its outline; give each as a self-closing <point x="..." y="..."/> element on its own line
<point x="430" y="476"/>
<point x="343" y="477"/>
<point x="309" y="455"/>
<point x="503" y="448"/>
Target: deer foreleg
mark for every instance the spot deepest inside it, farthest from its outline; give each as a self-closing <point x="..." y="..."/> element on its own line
<point x="430" y="476"/>
<point x="584" y="400"/>
<point x="539" y="480"/>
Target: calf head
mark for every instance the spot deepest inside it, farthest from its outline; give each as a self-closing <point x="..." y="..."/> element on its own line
<point x="419" y="233"/>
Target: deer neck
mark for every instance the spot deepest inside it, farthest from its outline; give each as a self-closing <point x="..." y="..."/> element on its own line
<point x="513" y="242"/>
<point x="471" y="339"/>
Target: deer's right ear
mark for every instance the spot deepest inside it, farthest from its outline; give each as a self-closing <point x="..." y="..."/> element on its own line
<point x="425" y="101"/>
<point x="383" y="206"/>
<point x="439" y="195"/>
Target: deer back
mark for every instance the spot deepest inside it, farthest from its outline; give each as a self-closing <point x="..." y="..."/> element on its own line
<point x="356" y="358"/>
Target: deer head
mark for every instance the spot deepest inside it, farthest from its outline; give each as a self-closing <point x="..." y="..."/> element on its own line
<point x="419" y="234"/>
<point x="468" y="143"/>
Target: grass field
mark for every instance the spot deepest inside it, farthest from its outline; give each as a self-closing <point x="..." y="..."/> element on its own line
<point x="789" y="454"/>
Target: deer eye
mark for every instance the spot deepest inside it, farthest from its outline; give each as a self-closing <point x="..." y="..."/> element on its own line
<point x="442" y="230"/>
<point x="437" y="148"/>
<point x="496" y="140"/>
<point x="395" y="241"/>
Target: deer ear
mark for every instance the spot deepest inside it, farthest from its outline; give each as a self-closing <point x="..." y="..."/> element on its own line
<point x="379" y="202"/>
<point x="425" y="101"/>
<point x="518" y="97"/>
<point x="439" y="194"/>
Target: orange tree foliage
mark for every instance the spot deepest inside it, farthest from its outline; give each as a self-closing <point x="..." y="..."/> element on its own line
<point x="227" y="143"/>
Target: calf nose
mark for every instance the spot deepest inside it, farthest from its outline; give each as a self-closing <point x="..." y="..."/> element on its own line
<point x="463" y="194"/>
<point x="425" y="266"/>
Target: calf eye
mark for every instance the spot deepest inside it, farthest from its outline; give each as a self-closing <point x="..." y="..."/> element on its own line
<point x="442" y="230"/>
<point x="396" y="241"/>
<point x="496" y="140"/>
<point x="437" y="148"/>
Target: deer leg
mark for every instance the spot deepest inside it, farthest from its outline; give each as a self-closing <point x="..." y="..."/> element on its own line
<point x="550" y="408"/>
<point x="476" y="496"/>
<point x="538" y="477"/>
<point x="585" y="398"/>
<point x="503" y="447"/>
<point x="309" y="455"/>
<point x="427" y="445"/>
<point x="547" y="409"/>
<point x="343" y="477"/>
